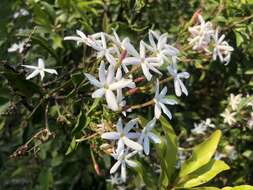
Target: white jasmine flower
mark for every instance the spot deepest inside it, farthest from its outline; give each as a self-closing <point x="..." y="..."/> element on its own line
<point x="40" y="69"/>
<point x="21" y="12"/>
<point x="114" y="179"/>
<point x="231" y="152"/>
<point x="221" y="48"/>
<point x="229" y="117"/>
<point x="107" y="85"/>
<point x="103" y="51"/>
<point x="147" y="63"/>
<point x="123" y="161"/>
<point x="161" y="48"/>
<point x="124" y="136"/>
<point x="208" y="123"/>
<point x="199" y="129"/>
<point x="17" y="47"/>
<point x="219" y="156"/>
<point x="160" y="101"/>
<point x="147" y="135"/>
<point x="201" y="34"/>
<point x="178" y="84"/>
<point x="90" y="40"/>
<point x="235" y="101"/>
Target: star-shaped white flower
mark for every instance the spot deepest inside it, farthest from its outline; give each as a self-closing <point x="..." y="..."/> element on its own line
<point x="40" y="69"/>
<point x="114" y="179"/>
<point x="147" y="63"/>
<point x="221" y="48"/>
<point x="199" y="129"/>
<point x="124" y="136"/>
<point x="159" y="46"/>
<point x="160" y="101"/>
<point x="123" y="161"/>
<point x="201" y="34"/>
<point x="235" y="101"/>
<point x="178" y="84"/>
<point x="90" y="40"/>
<point x="18" y="47"/>
<point x="147" y="135"/>
<point x="107" y="84"/>
<point x="229" y="117"/>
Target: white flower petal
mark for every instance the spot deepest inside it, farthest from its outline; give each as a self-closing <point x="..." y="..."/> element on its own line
<point x="123" y="171"/>
<point x="146" y="72"/>
<point x="111" y="100"/>
<point x="130" y="125"/>
<point x="133" y="135"/>
<point x="158" y="111"/>
<point x="177" y="87"/>
<point x="130" y="49"/>
<point x="110" y="74"/>
<point x="115" y="167"/>
<point x="146" y="145"/>
<point x="185" y="75"/>
<point x="98" y="93"/>
<point x="41" y="63"/>
<point x="121" y="84"/>
<point x="51" y="71"/>
<point x="131" y="163"/>
<point x="121" y="146"/>
<point x="33" y="74"/>
<point x="132" y="144"/>
<point x="110" y="135"/>
<point x="93" y="80"/>
<point x="131" y="61"/>
<point x="42" y="75"/>
<point x="101" y="72"/>
<point x="30" y="66"/>
<point x="166" y="111"/>
<point x="154" y="138"/>
<point x="184" y="90"/>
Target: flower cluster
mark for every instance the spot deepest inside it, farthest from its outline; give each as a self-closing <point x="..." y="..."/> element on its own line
<point x="204" y="37"/>
<point x="233" y="110"/>
<point x="119" y="71"/>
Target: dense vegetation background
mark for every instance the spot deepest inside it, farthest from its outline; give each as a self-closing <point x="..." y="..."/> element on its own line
<point x="54" y="159"/>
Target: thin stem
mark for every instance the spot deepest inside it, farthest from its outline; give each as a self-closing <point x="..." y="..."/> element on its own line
<point x="150" y="102"/>
<point x="87" y="138"/>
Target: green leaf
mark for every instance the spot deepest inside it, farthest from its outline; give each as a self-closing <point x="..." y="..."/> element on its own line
<point x="46" y="179"/>
<point x="167" y="150"/>
<point x="80" y="123"/>
<point x="239" y="38"/>
<point x="72" y="146"/>
<point x="204" y="174"/>
<point x="201" y="155"/>
<point x="21" y="85"/>
<point x="241" y="187"/>
<point x="146" y="175"/>
<point x="244" y="102"/>
<point x="205" y="188"/>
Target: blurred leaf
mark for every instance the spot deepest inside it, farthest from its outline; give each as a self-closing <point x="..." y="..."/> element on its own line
<point x="204" y="174"/>
<point x="20" y="84"/>
<point x="46" y="179"/>
<point x="201" y="155"/>
<point x="168" y="151"/>
<point x="72" y="146"/>
<point x="239" y="38"/>
<point x="80" y="123"/>
<point x="241" y="187"/>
